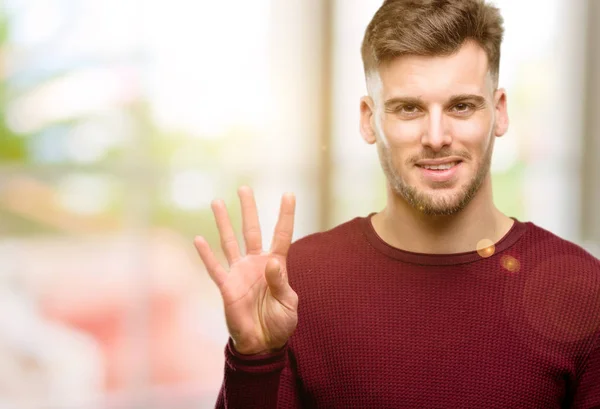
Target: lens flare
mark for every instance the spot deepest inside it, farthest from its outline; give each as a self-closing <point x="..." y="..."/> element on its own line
<point x="486" y="248"/>
<point x="511" y="264"/>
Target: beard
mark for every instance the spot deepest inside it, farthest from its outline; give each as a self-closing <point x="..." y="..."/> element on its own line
<point x="433" y="204"/>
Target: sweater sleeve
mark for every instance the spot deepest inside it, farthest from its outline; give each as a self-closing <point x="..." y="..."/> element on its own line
<point x="258" y="382"/>
<point x="587" y="395"/>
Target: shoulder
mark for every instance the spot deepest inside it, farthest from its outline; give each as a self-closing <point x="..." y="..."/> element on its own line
<point x="559" y="271"/>
<point x="323" y="250"/>
<point x="338" y="238"/>
<point x="544" y="244"/>
<point x="557" y="288"/>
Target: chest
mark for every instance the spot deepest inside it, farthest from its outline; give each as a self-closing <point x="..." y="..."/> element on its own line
<point x="415" y="350"/>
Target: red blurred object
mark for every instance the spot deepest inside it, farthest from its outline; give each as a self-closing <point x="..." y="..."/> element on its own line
<point x="149" y="328"/>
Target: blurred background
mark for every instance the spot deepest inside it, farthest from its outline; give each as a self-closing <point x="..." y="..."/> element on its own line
<point x="120" y="120"/>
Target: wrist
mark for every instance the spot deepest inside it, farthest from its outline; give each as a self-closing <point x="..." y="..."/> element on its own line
<point x="254" y="350"/>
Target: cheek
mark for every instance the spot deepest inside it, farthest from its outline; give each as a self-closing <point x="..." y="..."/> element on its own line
<point x="474" y="134"/>
<point x="399" y="133"/>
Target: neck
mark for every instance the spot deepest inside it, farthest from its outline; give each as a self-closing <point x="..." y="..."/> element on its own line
<point x="406" y="228"/>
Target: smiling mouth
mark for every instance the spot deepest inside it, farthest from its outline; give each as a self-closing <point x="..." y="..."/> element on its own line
<point x="441" y="167"/>
<point x="440" y="172"/>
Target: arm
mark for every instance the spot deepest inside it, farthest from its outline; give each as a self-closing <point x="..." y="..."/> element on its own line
<point x="261" y="382"/>
<point x="587" y="395"/>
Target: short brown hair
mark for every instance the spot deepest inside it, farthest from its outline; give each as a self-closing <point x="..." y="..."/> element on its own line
<point x="431" y="28"/>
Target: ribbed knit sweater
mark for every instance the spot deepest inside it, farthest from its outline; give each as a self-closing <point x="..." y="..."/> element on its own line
<point x="515" y="327"/>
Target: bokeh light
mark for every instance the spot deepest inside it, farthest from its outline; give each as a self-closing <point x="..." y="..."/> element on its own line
<point x="486" y="248"/>
<point x="510" y="263"/>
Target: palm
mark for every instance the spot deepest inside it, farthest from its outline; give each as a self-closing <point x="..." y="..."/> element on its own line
<point x="260" y="306"/>
<point x="250" y="306"/>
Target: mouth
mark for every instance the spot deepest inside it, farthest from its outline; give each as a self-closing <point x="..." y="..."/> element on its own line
<point x="440" y="172"/>
<point x="440" y="167"/>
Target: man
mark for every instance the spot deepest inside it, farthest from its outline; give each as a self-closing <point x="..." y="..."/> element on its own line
<point x="437" y="301"/>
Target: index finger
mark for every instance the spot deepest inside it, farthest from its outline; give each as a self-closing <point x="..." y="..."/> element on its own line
<point x="284" y="229"/>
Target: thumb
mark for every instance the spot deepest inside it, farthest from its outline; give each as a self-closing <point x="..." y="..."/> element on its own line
<point x="275" y="277"/>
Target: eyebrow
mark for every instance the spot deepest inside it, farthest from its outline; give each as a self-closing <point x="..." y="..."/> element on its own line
<point x="392" y="102"/>
<point x="478" y="100"/>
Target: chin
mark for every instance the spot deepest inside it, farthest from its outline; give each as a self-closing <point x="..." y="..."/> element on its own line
<point x="435" y="202"/>
<point x="440" y="206"/>
<point x="446" y="209"/>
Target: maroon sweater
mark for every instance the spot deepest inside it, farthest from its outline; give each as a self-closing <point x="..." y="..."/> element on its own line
<point x="379" y="327"/>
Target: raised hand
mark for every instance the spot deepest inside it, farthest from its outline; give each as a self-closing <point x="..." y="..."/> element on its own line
<point x="260" y="306"/>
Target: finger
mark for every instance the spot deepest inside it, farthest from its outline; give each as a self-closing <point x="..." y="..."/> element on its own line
<point x="250" y="223"/>
<point x="278" y="283"/>
<point x="215" y="270"/>
<point x="284" y="229"/>
<point x="229" y="243"/>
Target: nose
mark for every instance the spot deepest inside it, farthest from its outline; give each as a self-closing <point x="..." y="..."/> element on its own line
<point x="437" y="132"/>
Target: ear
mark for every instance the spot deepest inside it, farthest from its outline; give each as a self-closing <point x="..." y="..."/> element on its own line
<point x="501" y="112"/>
<point x="367" y="120"/>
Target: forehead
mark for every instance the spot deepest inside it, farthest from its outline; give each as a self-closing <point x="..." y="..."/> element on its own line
<point x="464" y="72"/>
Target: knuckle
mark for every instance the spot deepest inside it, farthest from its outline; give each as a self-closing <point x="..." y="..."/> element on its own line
<point x="283" y="234"/>
<point x="253" y="230"/>
<point x="228" y="241"/>
<point x="294" y="300"/>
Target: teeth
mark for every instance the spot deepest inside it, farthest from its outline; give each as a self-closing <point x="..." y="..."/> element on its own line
<point x="445" y="166"/>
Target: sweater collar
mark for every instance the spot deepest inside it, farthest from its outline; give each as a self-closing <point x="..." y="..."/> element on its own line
<point x="510" y="238"/>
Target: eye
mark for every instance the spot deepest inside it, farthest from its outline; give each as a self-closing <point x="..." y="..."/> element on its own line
<point x="408" y="110"/>
<point x="462" y="108"/>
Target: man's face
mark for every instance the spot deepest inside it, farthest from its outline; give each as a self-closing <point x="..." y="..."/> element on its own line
<point x="434" y="120"/>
